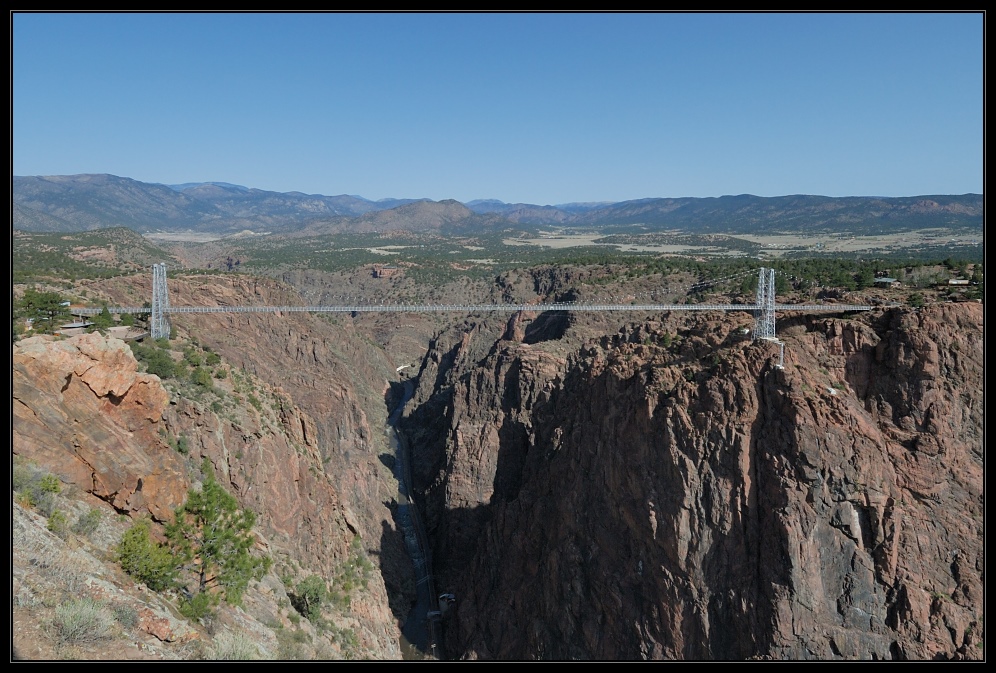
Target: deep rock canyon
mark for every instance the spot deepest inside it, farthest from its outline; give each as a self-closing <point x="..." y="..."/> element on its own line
<point x="641" y="487"/>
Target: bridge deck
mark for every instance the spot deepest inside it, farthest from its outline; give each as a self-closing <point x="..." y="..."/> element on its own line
<point x="483" y="308"/>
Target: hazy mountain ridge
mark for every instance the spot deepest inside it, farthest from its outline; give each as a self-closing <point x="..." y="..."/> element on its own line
<point x="83" y="202"/>
<point x="746" y="213"/>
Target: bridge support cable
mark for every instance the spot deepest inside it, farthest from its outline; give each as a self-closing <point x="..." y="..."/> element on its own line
<point x="763" y="309"/>
<point x="159" y="326"/>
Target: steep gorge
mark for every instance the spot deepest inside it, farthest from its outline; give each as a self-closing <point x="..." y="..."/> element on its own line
<point x="655" y="490"/>
<point x="668" y="493"/>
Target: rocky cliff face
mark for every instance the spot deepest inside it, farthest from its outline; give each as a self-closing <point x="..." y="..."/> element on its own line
<point x="82" y="409"/>
<point x="663" y="491"/>
<point x="309" y="459"/>
<point x="668" y="493"/>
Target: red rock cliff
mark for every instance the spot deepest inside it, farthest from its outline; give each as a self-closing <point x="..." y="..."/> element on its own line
<point x="82" y="409"/>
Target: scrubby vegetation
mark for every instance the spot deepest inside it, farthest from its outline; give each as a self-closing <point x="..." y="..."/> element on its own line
<point x="103" y="253"/>
<point x="34" y="487"/>
<point x="207" y="551"/>
<point x="234" y="646"/>
<point x="83" y="620"/>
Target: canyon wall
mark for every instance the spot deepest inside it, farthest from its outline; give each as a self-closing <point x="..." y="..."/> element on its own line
<point x="592" y="488"/>
<point x="668" y="492"/>
<point x="308" y="457"/>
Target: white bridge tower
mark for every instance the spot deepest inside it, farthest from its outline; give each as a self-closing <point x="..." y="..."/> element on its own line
<point x="764" y="314"/>
<point x="159" y="326"/>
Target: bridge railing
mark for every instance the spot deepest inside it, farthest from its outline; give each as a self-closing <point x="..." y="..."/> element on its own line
<point x="480" y="308"/>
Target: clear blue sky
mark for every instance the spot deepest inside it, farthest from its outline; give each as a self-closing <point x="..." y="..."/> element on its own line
<point x="537" y="108"/>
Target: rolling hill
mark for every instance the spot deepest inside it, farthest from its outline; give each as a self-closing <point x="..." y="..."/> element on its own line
<point x="84" y="202"/>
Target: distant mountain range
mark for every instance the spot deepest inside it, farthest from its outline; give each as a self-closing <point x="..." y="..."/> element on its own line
<point x="93" y="201"/>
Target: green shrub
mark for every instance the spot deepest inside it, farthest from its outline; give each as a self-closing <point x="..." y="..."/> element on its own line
<point x="156" y="361"/>
<point x="58" y="523"/>
<point x="198" y="606"/>
<point x="201" y="377"/>
<point x="309" y="595"/>
<point x="87" y="522"/>
<point x="146" y="560"/>
<point x="50" y="484"/>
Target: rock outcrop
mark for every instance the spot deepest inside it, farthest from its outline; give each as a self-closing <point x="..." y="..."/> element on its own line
<point x="670" y="493"/>
<point x="82" y="409"/>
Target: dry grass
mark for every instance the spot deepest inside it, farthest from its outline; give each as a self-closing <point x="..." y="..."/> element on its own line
<point x="82" y="620"/>
<point x="234" y="646"/>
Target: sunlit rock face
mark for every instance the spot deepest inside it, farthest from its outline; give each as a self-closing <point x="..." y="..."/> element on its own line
<point x="83" y="411"/>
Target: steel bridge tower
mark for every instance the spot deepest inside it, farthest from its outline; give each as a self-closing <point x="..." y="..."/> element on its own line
<point x="159" y="326"/>
<point x="764" y="323"/>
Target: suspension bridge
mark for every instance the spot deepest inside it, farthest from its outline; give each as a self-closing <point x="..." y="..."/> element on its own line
<point x="763" y="309"/>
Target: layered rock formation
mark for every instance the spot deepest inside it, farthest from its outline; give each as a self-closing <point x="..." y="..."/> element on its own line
<point x="82" y="410"/>
<point x="669" y="493"/>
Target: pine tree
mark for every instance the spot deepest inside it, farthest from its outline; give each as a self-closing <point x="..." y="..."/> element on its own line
<point x="147" y="560"/>
<point x="45" y="308"/>
<point x="213" y="539"/>
<point x="103" y="320"/>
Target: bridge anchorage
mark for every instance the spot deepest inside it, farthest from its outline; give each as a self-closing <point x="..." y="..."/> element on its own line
<point x="763" y="308"/>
